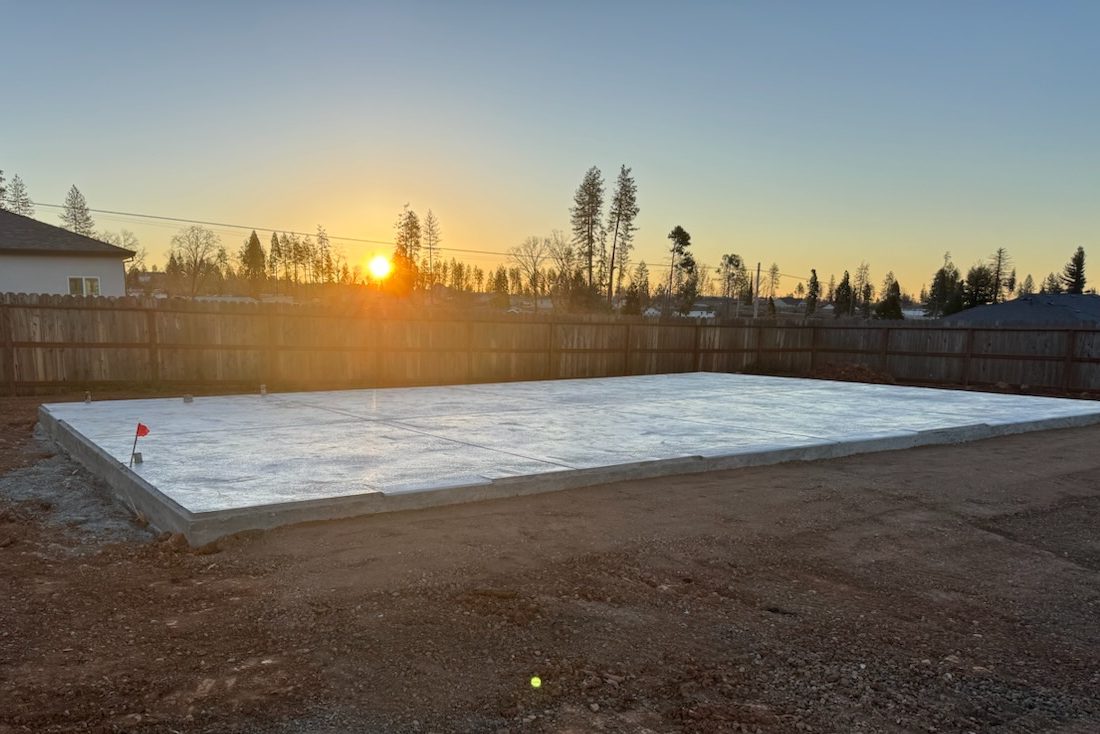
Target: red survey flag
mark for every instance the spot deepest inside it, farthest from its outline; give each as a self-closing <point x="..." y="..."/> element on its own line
<point x="142" y="429"/>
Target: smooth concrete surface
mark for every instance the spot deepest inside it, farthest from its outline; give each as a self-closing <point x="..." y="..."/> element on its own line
<point x="218" y="465"/>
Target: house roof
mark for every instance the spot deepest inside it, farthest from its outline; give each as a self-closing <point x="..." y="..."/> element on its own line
<point x="1039" y="310"/>
<point x="25" y="236"/>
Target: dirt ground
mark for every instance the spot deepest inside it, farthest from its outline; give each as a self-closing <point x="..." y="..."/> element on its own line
<point x="941" y="589"/>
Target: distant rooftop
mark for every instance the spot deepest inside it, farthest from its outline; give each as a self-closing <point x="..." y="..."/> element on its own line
<point x="1036" y="310"/>
<point x="21" y="235"/>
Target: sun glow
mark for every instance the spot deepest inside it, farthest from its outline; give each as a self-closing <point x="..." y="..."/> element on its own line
<point x="380" y="267"/>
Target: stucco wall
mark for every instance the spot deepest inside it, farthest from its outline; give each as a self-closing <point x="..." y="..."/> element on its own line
<point x="50" y="274"/>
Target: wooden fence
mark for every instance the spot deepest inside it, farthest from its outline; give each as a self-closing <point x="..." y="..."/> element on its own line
<point x="55" y="342"/>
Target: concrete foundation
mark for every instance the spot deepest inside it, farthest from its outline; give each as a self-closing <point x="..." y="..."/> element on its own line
<point x="220" y="465"/>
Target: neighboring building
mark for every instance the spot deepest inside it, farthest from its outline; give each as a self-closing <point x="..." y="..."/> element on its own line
<point x="40" y="258"/>
<point x="1038" y="310"/>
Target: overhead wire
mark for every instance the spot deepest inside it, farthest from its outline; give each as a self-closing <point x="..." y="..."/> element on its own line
<point x="164" y="221"/>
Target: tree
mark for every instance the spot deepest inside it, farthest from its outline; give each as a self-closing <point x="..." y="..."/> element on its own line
<point x="843" y="297"/>
<point x="432" y="239"/>
<point x="326" y="265"/>
<point x="773" y="280"/>
<point x="943" y="291"/>
<point x="194" y="250"/>
<point x="639" y="285"/>
<point x="1073" y="276"/>
<point x="16" y="200"/>
<point x="253" y="262"/>
<point x="861" y="297"/>
<point x="980" y="286"/>
<point x="687" y="284"/>
<point x="813" y="293"/>
<point x="529" y="257"/>
<point x="3" y="191"/>
<point x="499" y="288"/>
<point x="1027" y="287"/>
<point x="866" y="295"/>
<point x="620" y="222"/>
<point x="275" y="257"/>
<point x="586" y="215"/>
<point x="890" y="305"/>
<point x="1052" y="285"/>
<point x="999" y="263"/>
<point x="405" y="250"/>
<point x="75" y="215"/>
<point x="681" y="240"/>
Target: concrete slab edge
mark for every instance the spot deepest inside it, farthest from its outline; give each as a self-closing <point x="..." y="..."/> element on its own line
<point x="131" y="490"/>
<point x="205" y="527"/>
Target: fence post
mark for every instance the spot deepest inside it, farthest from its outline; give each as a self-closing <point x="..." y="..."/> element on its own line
<point x="626" y="349"/>
<point x="8" y="330"/>
<point x="469" y="350"/>
<point x="966" y="357"/>
<point x="272" y="378"/>
<point x="551" y="349"/>
<point x="759" y="336"/>
<point x="813" y="348"/>
<point x="695" y="356"/>
<point x="1071" y="349"/>
<point x="154" y="350"/>
<point x="884" y="349"/>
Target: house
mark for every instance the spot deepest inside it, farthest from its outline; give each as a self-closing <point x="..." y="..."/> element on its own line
<point x="36" y="257"/>
<point x="1054" y="310"/>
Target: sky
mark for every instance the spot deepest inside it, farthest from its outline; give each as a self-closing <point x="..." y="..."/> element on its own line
<point x="808" y="134"/>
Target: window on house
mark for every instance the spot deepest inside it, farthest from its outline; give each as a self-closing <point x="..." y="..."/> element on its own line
<point x="79" y="286"/>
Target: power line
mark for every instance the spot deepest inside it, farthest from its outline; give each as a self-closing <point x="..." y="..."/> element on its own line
<point x="183" y="220"/>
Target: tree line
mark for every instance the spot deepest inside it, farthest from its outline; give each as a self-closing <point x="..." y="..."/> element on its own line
<point x="588" y="269"/>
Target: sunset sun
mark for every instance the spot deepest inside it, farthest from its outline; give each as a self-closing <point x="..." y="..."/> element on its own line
<point x="380" y="267"/>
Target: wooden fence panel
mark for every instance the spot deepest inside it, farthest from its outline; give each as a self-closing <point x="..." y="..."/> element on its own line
<point x="76" y="342"/>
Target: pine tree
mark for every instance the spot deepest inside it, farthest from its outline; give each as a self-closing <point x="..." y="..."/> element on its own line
<point x="943" y="289"/>
<point x="326" y="270"/>
<point x="859" y="289"/>
<point x="980" y="286"/>
<point x="640" y="280"/>
<point x="813" y="293"/>
<point x="620" y="222"/>
<point x="405" y="251"/>
<point x="681" y="240"/>
<point x="999" y="263"/>
<point x="3" y="191"/>
<point x="75" y="215"/>
<point x="773" y="281"/>
<point x="1026" y="288"/>
<point x="890" y="306"/>
<point x="1073" y="276"/>
<point x="253" y="262"/>
<point x="1052" y="285"/>
<point x="274" y="257"/>
<point x="842" y="297"/>
<point x="17" y="200"/>
<point x="586" y="215"/>
<point x="432" y="239"/>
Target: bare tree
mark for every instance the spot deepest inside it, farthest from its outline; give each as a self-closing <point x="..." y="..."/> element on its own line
<point x="530" y="256"/>
<point x="195" y="249"/>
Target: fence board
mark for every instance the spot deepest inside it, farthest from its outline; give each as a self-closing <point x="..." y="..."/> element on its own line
<point x="66" y="341"/>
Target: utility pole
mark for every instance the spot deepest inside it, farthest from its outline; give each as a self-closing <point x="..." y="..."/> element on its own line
<point x="756" y="294"/>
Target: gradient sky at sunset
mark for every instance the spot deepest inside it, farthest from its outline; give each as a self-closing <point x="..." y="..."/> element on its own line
<point x="811" y="134"/>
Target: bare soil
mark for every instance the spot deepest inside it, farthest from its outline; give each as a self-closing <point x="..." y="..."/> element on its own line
<point x="949" y="589"/>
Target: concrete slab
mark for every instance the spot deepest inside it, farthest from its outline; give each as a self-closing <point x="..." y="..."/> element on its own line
<point x="223" y="464"/>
